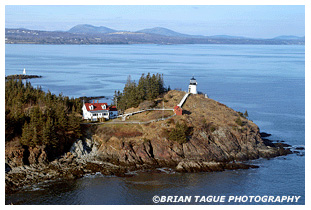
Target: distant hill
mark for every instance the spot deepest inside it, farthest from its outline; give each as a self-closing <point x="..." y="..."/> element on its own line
<point x="289" y="37"/>
<point x="227" y="37"/>
<point x="88" y="34"/>
<point x="89" y="29"/>
<point x="163" y="32"/>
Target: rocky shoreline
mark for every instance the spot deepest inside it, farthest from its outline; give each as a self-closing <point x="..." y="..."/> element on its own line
<point x="84" y="158"/>
<point x="80" y="161"/>
<point x="216" y="138"/>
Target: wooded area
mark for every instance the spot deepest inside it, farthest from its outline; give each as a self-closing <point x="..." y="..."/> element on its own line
<point x="149" y="87"/>
<point x="38" y="118"/>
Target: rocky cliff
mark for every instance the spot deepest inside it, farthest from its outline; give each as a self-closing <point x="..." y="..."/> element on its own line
<point x="214" y="138"/>
<point x="218" y="136"/>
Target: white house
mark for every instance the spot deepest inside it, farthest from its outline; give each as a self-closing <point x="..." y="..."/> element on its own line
<point x="193" y="86"/>
<point x="95" y="111"/>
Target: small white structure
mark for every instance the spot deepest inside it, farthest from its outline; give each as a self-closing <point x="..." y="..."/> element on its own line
<point x="24" y="72"/>
<point x="95" y="111"/>
<point x="193" y="86"/>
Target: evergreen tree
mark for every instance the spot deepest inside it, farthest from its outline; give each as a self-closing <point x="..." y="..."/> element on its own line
<point x="246" y="114"/>
<point x="35" y="139"/>
<point x="26" y="134"/>
<point x="149" y="87"/>
<point x="39" y="118"/>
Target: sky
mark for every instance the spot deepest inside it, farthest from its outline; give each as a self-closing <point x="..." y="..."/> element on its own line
<point x="263" y="21"/>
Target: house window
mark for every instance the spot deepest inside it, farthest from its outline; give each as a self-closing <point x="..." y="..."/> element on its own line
<point x="104" y="106"/>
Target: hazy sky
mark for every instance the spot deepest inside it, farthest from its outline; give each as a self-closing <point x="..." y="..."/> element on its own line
<point x="250" y="21"/>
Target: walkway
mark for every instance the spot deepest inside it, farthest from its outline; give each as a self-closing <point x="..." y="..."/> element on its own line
<point x="129" y="122"/>
<point x="140" y="111"/>
<point x="183" y="100"/>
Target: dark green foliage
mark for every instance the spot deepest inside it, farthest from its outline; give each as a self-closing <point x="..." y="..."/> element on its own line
<point x="148" y="88"/>
<point x="39" y="118"/>
<point x="245" y="114"/>
<point x="203" y="125"/>
<point x="241" y="114"/>
<point x="239" y="121"/>
<point x="179" y="133"/>
<point x="212" y="128"/>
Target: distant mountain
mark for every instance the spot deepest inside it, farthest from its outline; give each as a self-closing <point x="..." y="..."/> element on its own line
<point x="289" y="37"/>
<point x="88" y="34"/>
<point x="163" y="32"/>
<point x="227" y="37"/>
<point x="89" y="29"/>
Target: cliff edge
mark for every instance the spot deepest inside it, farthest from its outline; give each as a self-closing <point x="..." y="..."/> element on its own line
<point x="208" y="136"/>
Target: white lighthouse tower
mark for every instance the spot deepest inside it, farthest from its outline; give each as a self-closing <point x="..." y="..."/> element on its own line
<point x="193" y="86"/>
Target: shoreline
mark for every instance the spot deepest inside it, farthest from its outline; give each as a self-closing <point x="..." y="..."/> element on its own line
<point x="78" y="164"/>
<point x="22" y="76"/>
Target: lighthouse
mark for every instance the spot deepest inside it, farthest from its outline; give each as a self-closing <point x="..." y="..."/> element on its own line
<point x="193" y="86"/>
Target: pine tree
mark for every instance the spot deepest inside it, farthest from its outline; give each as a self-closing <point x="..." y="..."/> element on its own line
<point x="26" y="134"/>
<point x="246" y="114"/>
<point x="35" y="138"/>
<point x="148" y="88"/>
<point x="141" y="88"/>
<point x="74" y="125"/>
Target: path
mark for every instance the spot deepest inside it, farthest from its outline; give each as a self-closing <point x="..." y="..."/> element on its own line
<point x="140" y="111"/>
<point x="130" y="122"/>
<point x="183" y="100"/>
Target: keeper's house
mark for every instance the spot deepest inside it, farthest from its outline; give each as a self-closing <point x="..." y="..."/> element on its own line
<point x="96" y="111"/>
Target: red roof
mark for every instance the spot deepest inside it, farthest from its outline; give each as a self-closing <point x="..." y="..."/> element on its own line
<point x="96" y="106"/>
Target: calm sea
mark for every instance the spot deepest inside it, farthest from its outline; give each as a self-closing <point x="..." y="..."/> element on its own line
<point x="267" y="81"/>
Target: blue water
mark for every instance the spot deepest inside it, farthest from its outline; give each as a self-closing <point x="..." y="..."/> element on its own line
<point x="267" y="81"/>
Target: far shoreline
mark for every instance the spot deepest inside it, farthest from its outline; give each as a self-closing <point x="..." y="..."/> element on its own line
<point x="22" y="76"/>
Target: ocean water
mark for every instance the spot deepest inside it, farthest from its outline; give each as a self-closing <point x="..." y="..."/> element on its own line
<point x="267" y="81"/>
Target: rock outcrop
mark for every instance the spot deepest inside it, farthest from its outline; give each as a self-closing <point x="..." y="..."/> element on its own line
<point x="221" y="146"/>
<point x="218" y="135"/>
<point x="216" y="138"/>
<point x="80" y="161"/>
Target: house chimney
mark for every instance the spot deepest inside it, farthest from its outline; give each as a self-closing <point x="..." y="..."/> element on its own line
<point x="97" y="101"/>
<point x="93" y="101"/>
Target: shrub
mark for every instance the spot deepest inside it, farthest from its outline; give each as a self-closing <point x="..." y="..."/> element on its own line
<point x="246" y="114"/>
<point x="239" y="121"/>
<point x="203" y="125"/>
<point x="241" y="114"/>
<point x="179" y="133"/>
<point x="212" y="128"/>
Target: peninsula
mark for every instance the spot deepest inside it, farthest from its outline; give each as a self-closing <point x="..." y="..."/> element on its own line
<point x="205" y="136"/>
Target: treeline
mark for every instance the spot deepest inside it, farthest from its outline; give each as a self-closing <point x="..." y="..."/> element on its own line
<point x="149" y="87"/>
<point x="22" y="76"/>
<point x="38" y="118"/>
